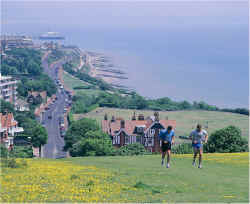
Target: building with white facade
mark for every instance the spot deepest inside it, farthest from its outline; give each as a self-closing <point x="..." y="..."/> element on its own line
<point x="8" y="87"/>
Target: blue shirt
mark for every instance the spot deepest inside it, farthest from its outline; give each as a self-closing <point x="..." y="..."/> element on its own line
<point x="165" y="136"/>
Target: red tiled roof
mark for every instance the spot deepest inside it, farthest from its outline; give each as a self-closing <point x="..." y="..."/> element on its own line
<point x="131" y="124"/>
<point x="7" y="120"/>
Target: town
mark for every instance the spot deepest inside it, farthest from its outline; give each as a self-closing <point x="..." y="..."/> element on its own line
<point x="69" y="125"/>
<point x="51" y="111"/>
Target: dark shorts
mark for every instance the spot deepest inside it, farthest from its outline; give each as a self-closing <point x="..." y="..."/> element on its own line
<point x="166" y="146"/>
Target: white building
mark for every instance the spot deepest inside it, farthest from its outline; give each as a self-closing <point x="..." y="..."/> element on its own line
<point x="8" y="87"/>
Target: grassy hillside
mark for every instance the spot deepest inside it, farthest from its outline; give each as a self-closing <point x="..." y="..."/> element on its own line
<point x="224" y="178"/>
<point x="186" y="120"/>
<point x="71" y="82"/>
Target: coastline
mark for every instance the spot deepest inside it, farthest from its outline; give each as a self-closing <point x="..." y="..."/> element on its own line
<point x="100" y="66"/>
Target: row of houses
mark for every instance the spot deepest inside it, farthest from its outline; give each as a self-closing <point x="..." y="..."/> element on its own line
<point x="8" y="92"/>
<point x="15" y="41"/>
<point x="137" y="130"/>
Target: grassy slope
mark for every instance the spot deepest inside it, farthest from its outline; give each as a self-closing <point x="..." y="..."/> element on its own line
<point x="72" y="82"/>
<point x="185" y="119"/>
<point x="224" y="178"/>
<point x="219" y="181"/>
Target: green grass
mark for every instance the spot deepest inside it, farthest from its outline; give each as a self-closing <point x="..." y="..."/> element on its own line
<point x="185" y="120"/>
<point x="224" y="179"/>
<point x="71" y="82"/>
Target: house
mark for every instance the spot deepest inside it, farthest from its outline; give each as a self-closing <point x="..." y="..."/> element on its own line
<point x="8" y="129"/>
<point x="143" y="131"/>
<point x="21" y="105"/>
<point x="38" y="96"/>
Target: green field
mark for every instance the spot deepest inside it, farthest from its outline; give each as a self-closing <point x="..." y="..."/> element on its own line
<point x="223" y="178"/>
<point x="185" y="120"/>
<point x="71" y="82"/>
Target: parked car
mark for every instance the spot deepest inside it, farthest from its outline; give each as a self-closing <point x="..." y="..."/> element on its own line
<point x="61" y="119"/>
<point x="63" y="133"/>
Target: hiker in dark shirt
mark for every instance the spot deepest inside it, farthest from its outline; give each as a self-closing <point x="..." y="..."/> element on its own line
<point x="166" y="138"/>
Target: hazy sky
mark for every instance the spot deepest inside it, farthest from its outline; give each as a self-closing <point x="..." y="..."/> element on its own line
<point x="130" y="14"/>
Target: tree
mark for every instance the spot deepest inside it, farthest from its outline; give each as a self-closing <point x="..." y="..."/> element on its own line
<point x="33" y="68"/>
<point x="185" y="105"/>
<point x="95" y="143"/>
<point x="228" y="139"/>
<point x="4" y="105"/>
<point x="77" y="131"/>
<point x="39" y="137"/>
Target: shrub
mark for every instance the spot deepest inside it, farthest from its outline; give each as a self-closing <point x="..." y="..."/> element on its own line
<point x="132" y="149"/>
<point x="22" y="152"/>
<point x="3" y="151"/>
<point x="228" y="139"/>
<point x="77" y="131"/>
<point x="95" y="143"/>
<point x="73" y="176"/>
<point x="10" y="163"/>
<point x="184" y="148"/>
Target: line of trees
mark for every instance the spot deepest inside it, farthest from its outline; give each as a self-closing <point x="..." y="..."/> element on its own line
<point x="25" y="64"/>
<point x="85" y="103"/>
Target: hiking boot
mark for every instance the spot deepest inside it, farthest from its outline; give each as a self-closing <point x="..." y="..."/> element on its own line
<point x="168" y="165"/>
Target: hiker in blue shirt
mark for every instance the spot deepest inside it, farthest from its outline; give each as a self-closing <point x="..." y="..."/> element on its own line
<point x="166" y="138"/>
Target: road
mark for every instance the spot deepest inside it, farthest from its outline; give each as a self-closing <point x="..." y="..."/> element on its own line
<point x="54" y="147"/>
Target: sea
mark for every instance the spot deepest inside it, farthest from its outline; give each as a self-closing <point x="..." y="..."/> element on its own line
<point x="184" y="56"/>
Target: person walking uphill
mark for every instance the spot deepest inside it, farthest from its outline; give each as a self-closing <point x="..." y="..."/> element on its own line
<point x="198" y="136"/>
<point x="166" y="138"/>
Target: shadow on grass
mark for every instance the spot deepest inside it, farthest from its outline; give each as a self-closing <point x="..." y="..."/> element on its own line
<point x="144" y="186"/>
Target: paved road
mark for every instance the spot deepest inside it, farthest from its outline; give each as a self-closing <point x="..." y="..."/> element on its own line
<point x="55" y="144"/>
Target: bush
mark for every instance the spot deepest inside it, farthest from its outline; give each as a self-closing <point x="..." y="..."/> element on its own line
<point x="95" y="143"/>
<point x="77" y="131"/>
<point x="10" y="163"/>
<point x="73" y="176"/>
<point x="131" y="149"/>
<point x="184" y="148"/>
<point x="228" y="139"/>
<point x="22" y="152"/>
<point x="3" y="151"/>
